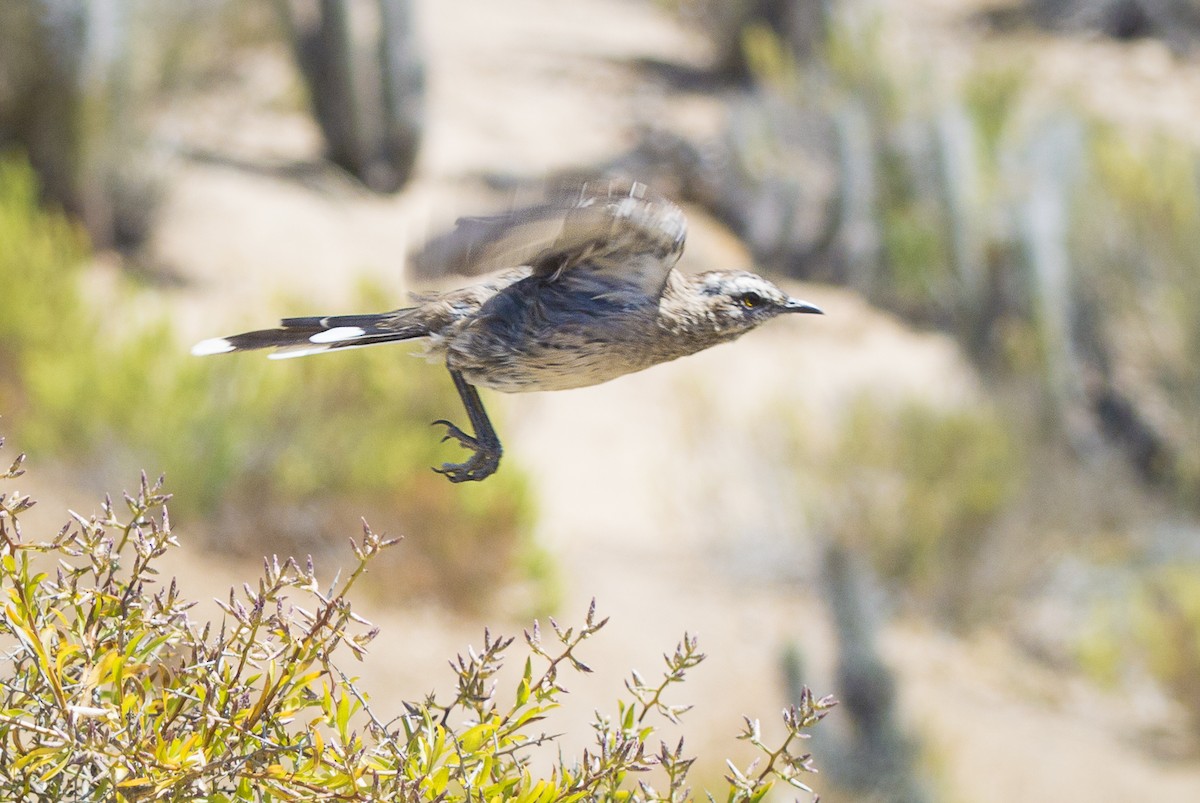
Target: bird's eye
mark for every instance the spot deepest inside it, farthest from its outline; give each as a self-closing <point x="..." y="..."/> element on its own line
<point x="751" y="300"/>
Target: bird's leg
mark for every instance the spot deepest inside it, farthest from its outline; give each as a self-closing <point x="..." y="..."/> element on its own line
<point x="484" y="443"/>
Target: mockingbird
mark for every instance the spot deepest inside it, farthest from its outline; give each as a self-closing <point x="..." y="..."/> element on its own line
<point x="601" y="300"/>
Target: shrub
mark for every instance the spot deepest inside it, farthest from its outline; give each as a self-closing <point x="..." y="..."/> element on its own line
<point x="112" y="690"/>
<point x="1138" y="244"/>
<point x="1170" y="634"/>
<point x="40" y="306"/>
<point x="1152" y="627"/>
<point x="917" y="490"/>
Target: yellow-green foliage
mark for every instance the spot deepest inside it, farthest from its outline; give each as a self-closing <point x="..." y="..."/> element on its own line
<point x="109" y="691"/>
<point x="860" y="68"/>
<point x="992" y="95"/>
<point x="347" y="435"/>
<point x="1153" y="183"/>
<point x="1154" y="626"/>
<point x="1138" y="240"/>
<point x="768" y="59"/>
<point x="40" y="307"/>
<point x="915" y="245"/>
<point x="1169" y="633"/>
<point x="918" y="490"/>
<point x="1097" y="649"/>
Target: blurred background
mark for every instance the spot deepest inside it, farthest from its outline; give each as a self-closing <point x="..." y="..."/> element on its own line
<point x="965" y="501"/>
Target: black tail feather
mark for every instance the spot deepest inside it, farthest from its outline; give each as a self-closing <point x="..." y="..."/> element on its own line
<point x="313" y="334"/>
<point x="368" y="321"/>
<point x="270" y="338"/>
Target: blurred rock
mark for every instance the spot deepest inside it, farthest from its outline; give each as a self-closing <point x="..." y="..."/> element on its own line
<point x="1176" y="22"/>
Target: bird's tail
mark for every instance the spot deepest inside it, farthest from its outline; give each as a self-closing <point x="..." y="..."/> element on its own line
<point x="297" y="337"/>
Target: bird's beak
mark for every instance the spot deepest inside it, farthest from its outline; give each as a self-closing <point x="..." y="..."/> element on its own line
<point x="796" y="305"/>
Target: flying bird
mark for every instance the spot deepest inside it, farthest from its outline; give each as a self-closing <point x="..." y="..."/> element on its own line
<point x="599" y="299"/>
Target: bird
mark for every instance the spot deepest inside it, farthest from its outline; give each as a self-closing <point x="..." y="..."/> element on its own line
<point x="597" y="297"/>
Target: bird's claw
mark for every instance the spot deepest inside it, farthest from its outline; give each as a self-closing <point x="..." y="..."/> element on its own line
<point x="454" y="433"/>
<point x="481" y="465"/>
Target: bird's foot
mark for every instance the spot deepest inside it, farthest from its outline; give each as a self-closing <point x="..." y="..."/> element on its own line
<point x="482" y="464"/>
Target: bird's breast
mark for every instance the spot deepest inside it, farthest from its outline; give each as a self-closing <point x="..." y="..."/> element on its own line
<point x="527" y="353"/>
<point x="559" y="362"/>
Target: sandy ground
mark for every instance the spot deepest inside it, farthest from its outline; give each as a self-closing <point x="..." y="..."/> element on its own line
<point x="659" y="494"/>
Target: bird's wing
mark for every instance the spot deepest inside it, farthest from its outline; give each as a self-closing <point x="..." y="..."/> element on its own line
<point x="479" y="245"/>
<point x="620" y="235"/>
<point x="618" y="232"/>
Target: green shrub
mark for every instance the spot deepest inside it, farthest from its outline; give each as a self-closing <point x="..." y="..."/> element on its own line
<point x="110" y="691"/>
<point x="1154" y="626"/>
<point x="41" y="310"/>
<point x="917" y="490"/>
<point x="992" y="95"/>
<point x="1169" y="634"/>
<point x="107" y="383"/>
<point x="915" y="253"/>
<point x="1138" y="246"/>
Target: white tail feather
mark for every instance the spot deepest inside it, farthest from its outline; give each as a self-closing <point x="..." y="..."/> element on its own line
<point x="338" y="333"/>
<point x="214" y="345"/>
<point x="298" y="351"/>
<point x="287" y="352"/>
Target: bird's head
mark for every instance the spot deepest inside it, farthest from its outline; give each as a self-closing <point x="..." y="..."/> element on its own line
<point x="738" y="301"/>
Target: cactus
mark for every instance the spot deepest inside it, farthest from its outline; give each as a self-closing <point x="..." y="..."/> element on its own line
<point x="69" y="107"/>
<point x="367" y="96"/>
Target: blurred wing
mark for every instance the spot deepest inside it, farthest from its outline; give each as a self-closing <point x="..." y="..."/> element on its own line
<point x="622" y="235"/>
<point x="478" y="245"/>
<point x="617" y="232"/>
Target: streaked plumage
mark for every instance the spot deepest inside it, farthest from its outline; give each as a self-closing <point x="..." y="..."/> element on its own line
<point x="603" y="299"/>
